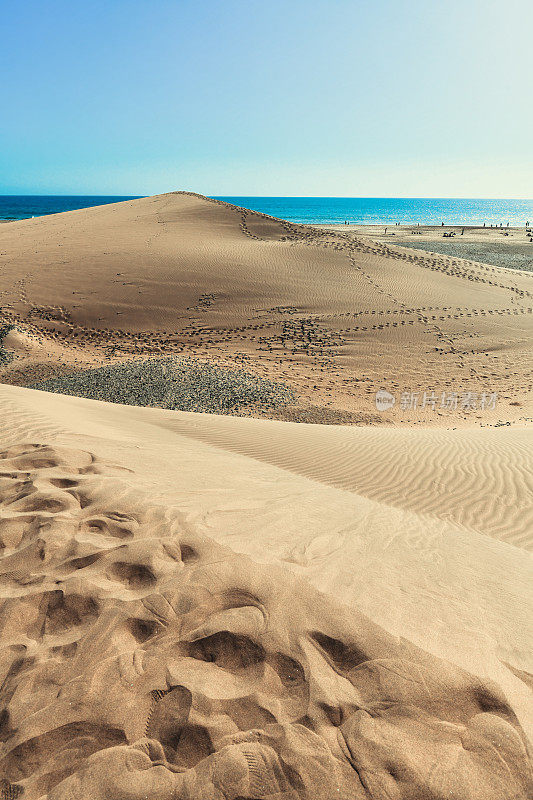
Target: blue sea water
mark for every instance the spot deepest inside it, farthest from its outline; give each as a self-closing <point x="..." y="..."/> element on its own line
<point x="14" y="207"/>
<point x="367" y="210"/>
<point x="389" y="210"/>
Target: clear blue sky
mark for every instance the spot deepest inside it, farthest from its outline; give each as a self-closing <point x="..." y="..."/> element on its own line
<point x="283" y="97"/>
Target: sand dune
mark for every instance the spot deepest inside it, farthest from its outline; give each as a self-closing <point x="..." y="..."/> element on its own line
<point x="336" y="316"/>
<point x="382" y="651"/>
<point x="228" y="608"/>
<point x="502" y="247"/>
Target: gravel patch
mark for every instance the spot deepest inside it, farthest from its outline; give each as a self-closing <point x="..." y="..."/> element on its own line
<point x="6" y="356"/>
<point x="499" y="255"/>
<point x="185" y="384"/>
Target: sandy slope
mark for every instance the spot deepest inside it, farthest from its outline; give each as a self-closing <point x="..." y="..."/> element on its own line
<point x="148" y="649"/>
<point x="197" y="606"/>
<point x="502" y="247"/>
<point x="335" y="315"/>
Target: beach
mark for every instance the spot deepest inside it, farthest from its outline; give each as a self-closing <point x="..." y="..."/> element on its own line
<point x="502" y="246"/>
<point x="265" y="508"/>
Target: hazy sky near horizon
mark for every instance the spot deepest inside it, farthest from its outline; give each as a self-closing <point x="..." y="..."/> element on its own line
<point x="388" y="98"/>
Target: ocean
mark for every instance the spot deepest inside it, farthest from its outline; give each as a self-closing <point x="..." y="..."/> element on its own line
<point x="363" y="210"/>
<point x="13" y="207"/>
<point x="389" y="210"/>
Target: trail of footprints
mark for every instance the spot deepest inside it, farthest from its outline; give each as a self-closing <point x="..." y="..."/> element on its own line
<point x="352" y="246"/>
<point x="195" y="334"/>
<point x="468" y="270"/>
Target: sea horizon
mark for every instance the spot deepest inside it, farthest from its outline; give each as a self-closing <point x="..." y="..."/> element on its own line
<point x="314" y="210"/>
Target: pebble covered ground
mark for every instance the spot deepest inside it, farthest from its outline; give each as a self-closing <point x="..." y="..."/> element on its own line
<point x="185" y="384"/>
<point x="499" y="254"/>
<point x="6" y="356"/>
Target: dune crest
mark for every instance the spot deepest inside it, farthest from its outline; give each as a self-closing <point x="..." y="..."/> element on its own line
<point x="336" y="315"/>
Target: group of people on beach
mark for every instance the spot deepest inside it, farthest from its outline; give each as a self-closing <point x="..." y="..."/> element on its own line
<point x="397" y="224"/>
